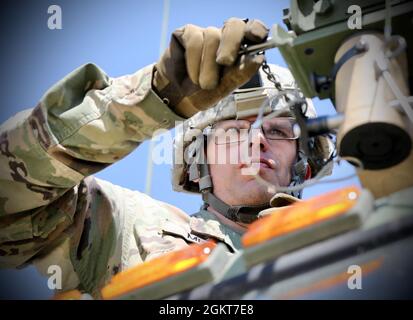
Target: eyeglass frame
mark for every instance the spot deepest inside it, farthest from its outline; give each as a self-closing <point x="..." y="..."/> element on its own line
<point x="207" y="131"/>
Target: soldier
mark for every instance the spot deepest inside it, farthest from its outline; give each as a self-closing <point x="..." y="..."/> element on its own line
<point x="54" y="212"/>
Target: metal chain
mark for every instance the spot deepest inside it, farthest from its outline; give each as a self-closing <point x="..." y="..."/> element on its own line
<point x="270" y="75"/>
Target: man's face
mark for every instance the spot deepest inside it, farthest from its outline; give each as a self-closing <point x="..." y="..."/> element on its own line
<point x="231" y="165"/>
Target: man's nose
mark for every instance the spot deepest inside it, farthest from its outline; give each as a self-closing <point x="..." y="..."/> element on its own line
<point x="258" y="137"/>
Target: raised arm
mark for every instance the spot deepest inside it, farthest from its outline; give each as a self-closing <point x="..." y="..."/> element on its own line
<point x="88" y="121"/>
<point x="84" y="123"/>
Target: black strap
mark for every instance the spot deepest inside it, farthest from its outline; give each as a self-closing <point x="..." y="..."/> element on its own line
<point x="320" y="82"/>
<point x="244" y="214"/>
<point x="358" y="48"/>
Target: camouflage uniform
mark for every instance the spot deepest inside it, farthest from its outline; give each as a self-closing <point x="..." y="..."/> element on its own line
<point x="53" y="212"/>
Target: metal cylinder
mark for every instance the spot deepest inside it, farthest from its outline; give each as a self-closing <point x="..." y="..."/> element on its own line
<point x="373" y="132"/>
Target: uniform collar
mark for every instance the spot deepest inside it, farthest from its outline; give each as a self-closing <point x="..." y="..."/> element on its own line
<point x="205" y="224"/>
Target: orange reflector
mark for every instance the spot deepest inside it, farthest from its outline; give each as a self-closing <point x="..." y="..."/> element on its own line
<point x="157" y="269"/>
<point x="300" y="215"/>
<point x="68" y="295"/>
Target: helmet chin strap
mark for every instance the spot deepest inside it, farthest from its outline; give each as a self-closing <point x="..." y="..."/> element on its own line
<point x="241" y="213"/>
<point x="299" y="174"/>
<point x="244" y="214"/>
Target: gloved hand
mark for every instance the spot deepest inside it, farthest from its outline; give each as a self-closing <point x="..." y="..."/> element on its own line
<point x="202" y="66"/>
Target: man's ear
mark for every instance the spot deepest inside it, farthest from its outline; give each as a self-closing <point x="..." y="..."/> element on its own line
<point x="308" y="172"/>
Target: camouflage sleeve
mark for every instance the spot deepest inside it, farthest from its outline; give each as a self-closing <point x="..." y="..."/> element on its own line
<point x="84" y="123"/>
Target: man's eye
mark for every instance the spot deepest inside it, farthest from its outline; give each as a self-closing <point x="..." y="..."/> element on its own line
<point x="275" y="131"/>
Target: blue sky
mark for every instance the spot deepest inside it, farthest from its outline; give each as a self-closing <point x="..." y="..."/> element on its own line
<point x="121" y="37"/>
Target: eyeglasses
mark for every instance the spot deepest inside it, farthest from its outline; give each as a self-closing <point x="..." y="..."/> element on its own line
<point x="235" y="131"/>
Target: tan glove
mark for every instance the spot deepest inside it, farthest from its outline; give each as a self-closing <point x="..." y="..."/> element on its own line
<point x="202" y="66"/>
